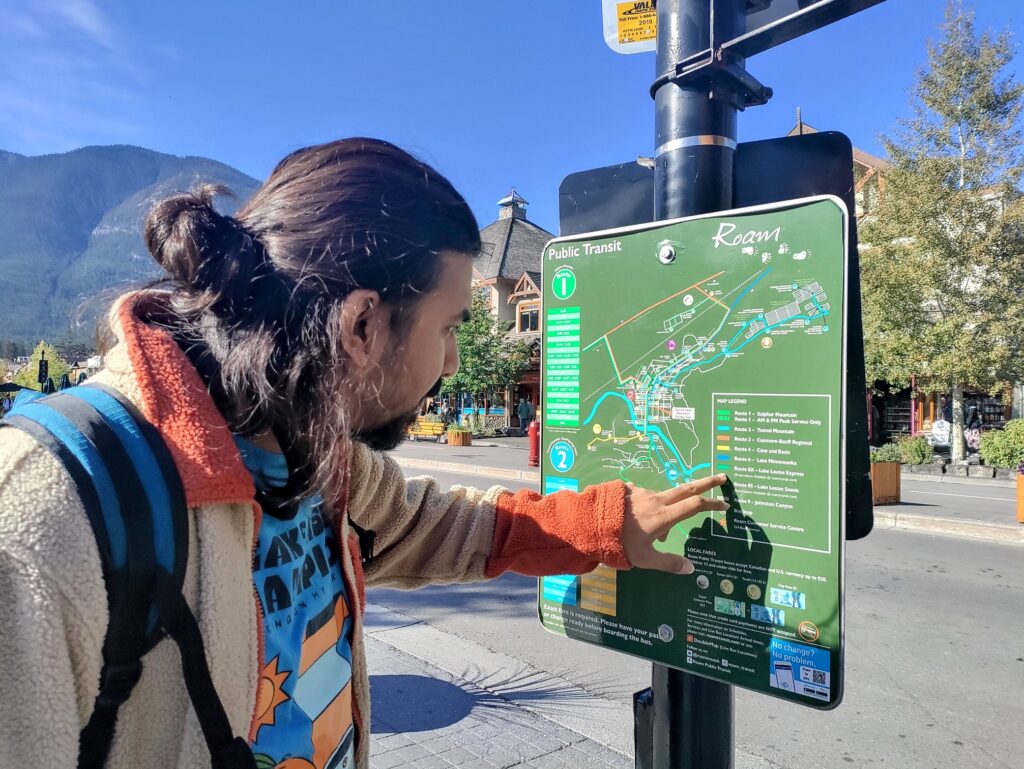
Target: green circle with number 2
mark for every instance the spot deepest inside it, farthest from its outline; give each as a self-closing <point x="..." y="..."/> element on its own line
<point x="563" y="284"/>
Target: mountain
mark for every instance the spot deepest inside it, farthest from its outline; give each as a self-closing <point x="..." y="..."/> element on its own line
<point x="71" y="231"/>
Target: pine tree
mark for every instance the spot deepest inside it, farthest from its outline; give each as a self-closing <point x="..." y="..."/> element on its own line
<point x="943" y="255"/>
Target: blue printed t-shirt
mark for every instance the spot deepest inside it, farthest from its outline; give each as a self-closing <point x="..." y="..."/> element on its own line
<point x="304" y="699"/>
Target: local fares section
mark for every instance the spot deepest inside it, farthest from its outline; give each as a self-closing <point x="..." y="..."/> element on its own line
<point x="726" y="359"/>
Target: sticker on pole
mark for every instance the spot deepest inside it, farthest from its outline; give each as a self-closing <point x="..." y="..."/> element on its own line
<point x="729" y="359"/>
<point x="630" y="27"/>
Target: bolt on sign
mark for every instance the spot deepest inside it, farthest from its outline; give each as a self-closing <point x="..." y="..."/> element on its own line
<point x="630" y="27"/>
<point x="677" y="350"/>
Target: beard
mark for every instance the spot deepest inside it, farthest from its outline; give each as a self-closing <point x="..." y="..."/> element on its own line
<point x="390" y="434"/>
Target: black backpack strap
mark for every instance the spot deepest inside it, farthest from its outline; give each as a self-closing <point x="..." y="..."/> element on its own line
<point x="226" y="750"/>
<point x="367" y="540"/>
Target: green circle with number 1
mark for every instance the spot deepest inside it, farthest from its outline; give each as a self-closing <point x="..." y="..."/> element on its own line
<point x="563" y="284"/>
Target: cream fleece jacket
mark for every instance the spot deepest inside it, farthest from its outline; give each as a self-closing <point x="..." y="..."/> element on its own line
<point x="53" y="605"/>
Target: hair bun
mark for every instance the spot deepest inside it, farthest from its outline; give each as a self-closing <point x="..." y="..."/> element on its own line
<point x="191" y="240"/>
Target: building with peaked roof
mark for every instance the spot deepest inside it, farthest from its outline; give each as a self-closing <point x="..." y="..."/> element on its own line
<point x="509" y="269"/>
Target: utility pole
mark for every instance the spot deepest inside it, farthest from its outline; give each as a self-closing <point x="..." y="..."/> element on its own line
<point x="692" y="724"/>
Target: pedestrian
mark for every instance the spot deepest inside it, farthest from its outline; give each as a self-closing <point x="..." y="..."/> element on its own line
<point x="288" y="351"/>
<point x="972" y="429"/>
<point x="523" y="412"/>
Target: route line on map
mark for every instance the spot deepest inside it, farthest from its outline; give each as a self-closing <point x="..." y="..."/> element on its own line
<point x="608" y="347"/>
<point x="662" y="301"/>
<point x="683" y="364"/>
<point x="613" y="438"/>
<point x="712" y="298"/>
<point x="656" y="346"/>
<point x="726" y="352"/>
<point x="647" y="428"/>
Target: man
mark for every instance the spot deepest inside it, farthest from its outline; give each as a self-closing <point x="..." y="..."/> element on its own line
<point x="295" y="342"/>
<point x="525" y="412"/>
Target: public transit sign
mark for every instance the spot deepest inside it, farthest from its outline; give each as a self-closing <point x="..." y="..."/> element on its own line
<point x="631" y="27"/>
<point x="681" y="349"/>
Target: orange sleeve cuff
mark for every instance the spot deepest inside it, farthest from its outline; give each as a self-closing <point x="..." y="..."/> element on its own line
<point x="561" y="533"/>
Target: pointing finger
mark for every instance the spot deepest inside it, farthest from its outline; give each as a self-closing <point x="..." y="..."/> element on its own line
<point x="693" y="488"/>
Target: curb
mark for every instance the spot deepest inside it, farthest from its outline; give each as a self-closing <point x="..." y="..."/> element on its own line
<point x="962" y="480"/>
<point x="1003" y="533"/>
<point x="466" y="469"/>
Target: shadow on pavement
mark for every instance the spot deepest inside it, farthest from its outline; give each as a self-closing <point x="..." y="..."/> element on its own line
<point x="408" y="703"/>
<point x="404" y="703"/>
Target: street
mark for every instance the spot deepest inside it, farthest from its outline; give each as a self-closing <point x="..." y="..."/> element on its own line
<point x="949" y="498"/>
<point x="934" y="645"/>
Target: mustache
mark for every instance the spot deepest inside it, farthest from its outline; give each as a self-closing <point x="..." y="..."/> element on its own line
<point x="436" y="389"/>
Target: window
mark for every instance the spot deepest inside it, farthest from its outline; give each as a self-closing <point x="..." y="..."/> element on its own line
<point x="529" y="316"/>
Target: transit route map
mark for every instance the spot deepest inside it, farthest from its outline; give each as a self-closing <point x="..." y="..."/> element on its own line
<point x="673" y="352"/>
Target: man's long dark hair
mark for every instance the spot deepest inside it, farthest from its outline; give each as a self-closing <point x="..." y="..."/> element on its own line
<point x="256" y="297"/>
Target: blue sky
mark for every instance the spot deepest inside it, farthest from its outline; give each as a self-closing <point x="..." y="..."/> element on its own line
<point x="492" y="93"/>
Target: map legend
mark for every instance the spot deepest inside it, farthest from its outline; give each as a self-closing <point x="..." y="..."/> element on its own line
<point x="562" y="368"/>
<point x="775" y="442"/>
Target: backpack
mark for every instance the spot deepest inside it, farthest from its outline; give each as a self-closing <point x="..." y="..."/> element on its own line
<point x="135" y="503"/>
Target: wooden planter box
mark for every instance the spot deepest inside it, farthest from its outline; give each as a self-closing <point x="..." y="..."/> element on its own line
<point x="460" y="439"/>
<point x="885" y="483"/>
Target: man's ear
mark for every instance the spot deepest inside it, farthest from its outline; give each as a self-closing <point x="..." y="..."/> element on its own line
<point x="365" y="328"/>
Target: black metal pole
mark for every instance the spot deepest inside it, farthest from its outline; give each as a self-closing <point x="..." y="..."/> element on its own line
<point x="695" y="140"/>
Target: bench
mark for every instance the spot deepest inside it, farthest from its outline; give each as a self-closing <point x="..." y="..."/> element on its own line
<point x="426" y="428"/>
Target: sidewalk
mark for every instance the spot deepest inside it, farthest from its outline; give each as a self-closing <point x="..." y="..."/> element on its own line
<point x="506" y="459"/>
<point x="441" y="701"/>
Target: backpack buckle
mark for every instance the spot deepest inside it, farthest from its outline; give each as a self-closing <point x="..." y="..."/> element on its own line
<point x="117" y="682"/>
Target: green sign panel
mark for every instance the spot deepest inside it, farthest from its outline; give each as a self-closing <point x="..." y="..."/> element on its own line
<point x="680" y="350"/>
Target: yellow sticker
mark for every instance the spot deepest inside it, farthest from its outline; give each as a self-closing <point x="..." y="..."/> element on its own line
<point x="637" y="21"/>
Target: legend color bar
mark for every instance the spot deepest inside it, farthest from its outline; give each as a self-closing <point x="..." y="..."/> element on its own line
<point x="722" y="429"/>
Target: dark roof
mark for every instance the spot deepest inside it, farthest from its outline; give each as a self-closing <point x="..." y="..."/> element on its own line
<point x="513" y="198"/>
<point x="512" y="246"/>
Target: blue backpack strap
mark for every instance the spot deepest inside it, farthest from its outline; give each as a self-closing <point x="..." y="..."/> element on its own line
<point x="135" y="503"/>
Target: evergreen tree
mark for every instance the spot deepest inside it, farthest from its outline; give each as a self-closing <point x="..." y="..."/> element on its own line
<point x="28" y="376"/>
<point x="943" y="255"/>
<point x="490" y="359"/>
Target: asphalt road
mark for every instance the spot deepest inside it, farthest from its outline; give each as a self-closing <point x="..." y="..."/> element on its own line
<point x="950" y="499"/>
<point x="934" y="653"/>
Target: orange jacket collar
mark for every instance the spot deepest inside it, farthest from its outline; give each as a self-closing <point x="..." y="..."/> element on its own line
<point x="176" y="401"/>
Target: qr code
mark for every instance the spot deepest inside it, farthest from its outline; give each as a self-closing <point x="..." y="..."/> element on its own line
<point x="818" y="677"/>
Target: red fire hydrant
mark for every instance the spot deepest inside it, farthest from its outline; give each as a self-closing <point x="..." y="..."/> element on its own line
<point x="534" y="432"/>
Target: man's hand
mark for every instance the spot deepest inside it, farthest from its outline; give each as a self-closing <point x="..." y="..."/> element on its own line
<point x="650" y="515"/>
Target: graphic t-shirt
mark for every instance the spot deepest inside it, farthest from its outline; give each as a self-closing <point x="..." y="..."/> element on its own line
<point x="304" y="699"/>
